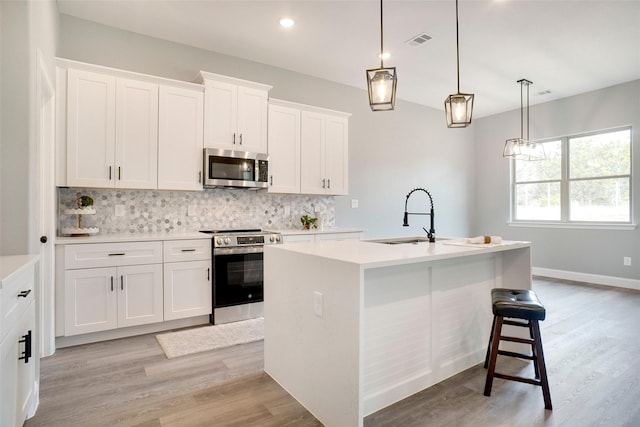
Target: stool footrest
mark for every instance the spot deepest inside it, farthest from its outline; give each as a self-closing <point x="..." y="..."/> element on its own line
<point x="516" y="339"/>
<point x="515" y="323"/>
<point x="518" y="355"/>
<point x="519" y="379"/>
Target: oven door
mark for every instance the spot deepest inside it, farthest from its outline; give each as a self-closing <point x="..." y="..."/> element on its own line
<point x="238" y="275"/>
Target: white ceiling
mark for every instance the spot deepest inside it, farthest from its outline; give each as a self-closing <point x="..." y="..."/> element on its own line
<point x="565" y="47"/>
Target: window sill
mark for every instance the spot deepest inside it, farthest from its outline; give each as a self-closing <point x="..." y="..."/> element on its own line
<point x="572" y="225"/>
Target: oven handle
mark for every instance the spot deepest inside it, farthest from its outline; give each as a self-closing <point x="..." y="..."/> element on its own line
<point x="238" y="250"/>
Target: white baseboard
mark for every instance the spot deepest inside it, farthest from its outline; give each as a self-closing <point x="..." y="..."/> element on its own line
<point x="597" y="279"/>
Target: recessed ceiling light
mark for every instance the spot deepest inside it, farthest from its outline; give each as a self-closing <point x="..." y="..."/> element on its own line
<point x="287" y="22"/>
<point x="384" y="55"/>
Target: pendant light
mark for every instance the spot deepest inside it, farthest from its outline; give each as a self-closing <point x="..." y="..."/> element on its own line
<point x="458" y="107"/>
<point x="381" y="82"/>
<point x="521" y="148"/>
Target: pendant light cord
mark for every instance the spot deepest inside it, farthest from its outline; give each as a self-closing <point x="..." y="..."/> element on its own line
<point x="457" y="48"/>
<point x="381" y="38"/>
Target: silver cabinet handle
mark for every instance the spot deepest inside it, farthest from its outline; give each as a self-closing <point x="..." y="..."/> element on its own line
<point x="271" y="179"/>
<point x="323" y="183"/>
<point x="111" y="283"/>
<point x="121" y="282"/>
<point x="240" y="139"/>
<point x="234" y="137"/>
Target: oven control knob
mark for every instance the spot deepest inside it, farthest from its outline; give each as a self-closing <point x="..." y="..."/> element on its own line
<point x="250" y="296"/>
<point x="219" y="240"/>
<point x="227" y="240"/>
<point x="278" y="239"/>
<point x="272" y="239"/>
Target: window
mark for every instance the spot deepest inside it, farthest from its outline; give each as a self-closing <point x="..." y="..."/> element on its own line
<point x="584" y="178"/>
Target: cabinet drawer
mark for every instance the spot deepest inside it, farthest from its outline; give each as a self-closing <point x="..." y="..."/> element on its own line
<point x="112" y="254"/>
<point x="17" y="294"/>
<point x="187" y="250"/>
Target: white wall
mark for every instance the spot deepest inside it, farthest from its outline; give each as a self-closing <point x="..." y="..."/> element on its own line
<point x="595" y="252"/>
<point x="26" y="26"/>
<point x="390" y="153"/>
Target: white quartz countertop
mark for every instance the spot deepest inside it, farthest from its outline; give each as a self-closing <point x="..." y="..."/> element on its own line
<point x="333" y="230"/>
<point x="131" y="237"/>
<point x="370" y="254"/>
<point x="9" y="265"/>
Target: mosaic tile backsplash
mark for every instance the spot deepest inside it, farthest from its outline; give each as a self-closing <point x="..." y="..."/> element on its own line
<point x="147" y="211"/>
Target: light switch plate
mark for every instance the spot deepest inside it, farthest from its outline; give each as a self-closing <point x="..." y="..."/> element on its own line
<point x="318" y="304"/>
<point x="119" y="210"/>
<point x="287" y="210"/>
<point x="354" y="203"/>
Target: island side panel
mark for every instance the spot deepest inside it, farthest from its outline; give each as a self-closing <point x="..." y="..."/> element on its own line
<point x="423" y="323"/>
<point x="316" y="359"/>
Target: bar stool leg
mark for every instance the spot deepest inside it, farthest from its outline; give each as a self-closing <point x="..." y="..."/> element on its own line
<point x="495" y="343"/>
<point x="544" y="382"/>
<point x="534" y="353"/>
<point x="493" y="328"/>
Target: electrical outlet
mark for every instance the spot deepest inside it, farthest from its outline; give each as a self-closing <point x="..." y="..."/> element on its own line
<point x="191" y="210"/>
<point x="354" y="203"/>
<point x="318" y="303"/>
<point x="287" y="210"/>
<point x="626" y="261"/>
<point x="119" y="210"/>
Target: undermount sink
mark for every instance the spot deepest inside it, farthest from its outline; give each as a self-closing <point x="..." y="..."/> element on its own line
<point x="405" y="240"/>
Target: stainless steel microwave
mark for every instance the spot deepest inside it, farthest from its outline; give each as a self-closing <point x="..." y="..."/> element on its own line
<point x="237" y="169"/>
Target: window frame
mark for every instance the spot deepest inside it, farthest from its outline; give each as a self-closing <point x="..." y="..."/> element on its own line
<point x="565" y="181"/>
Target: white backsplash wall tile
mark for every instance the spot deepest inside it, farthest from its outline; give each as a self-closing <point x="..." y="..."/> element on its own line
<point x="148" y="211"/>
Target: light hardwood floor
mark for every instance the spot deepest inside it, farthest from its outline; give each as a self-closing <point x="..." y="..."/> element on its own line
<point x="591" y="340"/>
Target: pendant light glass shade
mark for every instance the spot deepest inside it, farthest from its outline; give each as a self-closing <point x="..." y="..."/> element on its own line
<point x="458" y="108"/>
<point x="381" y="82"/>
<point x="522" y="148"/>
<point x="382" y="88"/>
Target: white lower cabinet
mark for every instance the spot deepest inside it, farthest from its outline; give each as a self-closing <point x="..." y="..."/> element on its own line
<point x="19" y="348"/>
<point x="99" y="299"/>
<point x="312" y="236"/>
<point x="187" y="278"/>
<point x="112" y="285"/>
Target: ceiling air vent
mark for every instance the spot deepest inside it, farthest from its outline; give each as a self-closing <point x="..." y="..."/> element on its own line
<point x="419" y="39"/>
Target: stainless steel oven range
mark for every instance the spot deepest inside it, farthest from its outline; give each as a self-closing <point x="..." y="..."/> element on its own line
<point x="238" y="271"/>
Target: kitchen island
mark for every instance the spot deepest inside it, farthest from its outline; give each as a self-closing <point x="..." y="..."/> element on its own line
<point x="354" y="326"/>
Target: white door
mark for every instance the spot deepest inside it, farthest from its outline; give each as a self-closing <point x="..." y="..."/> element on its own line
<point x="284" y="149"/>
<point x="312" y="169"/>
<point x="136" y="149"/>
<point x="90" y="300"/>
<point x="180" y="139"/>
<point x="187" y="289"/>
<point x="252" y="120"/>
<point x="9" y="353"/>
<point x="139" y="294"/>
<point x="221" y="115"/>
<point x="42" y="239"/>
<point x="337" y="153"/>
<point x="90" y="129"/>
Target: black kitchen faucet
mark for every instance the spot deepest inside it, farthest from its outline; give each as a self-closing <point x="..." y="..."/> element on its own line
<point x="431" y="233"/>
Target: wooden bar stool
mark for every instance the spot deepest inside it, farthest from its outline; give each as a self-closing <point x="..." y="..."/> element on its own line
<point x="524" y="305"/>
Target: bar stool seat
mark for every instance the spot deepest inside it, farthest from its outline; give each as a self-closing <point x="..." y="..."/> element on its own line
<point x="524" y="306"/>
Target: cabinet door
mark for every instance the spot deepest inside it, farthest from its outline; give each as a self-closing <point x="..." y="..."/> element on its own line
<point x="252" y="120"/>
<point x="221" y="115"/>
<point x="9" y="353"/>
<point x="336" y="155"/>
<point x="90" y="129"/>
<point x="25" y="404"/>
<point x="136" y="164"/>
<point x="313" y="180"/>
<point x="139" y="295"/>
<point x="180" y="139"/>
<point x="90" y="298"/>
<point x="187" y="289"/>
<point x="284" y="149"/>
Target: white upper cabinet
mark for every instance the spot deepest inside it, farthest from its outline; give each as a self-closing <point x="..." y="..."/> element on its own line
<point x="324" y="154"/>
<point x="235" y="113"/>
<point x="180" y="143"/>
<point x="136" y="164"/>
<point x="284" y="149"/>
<point x="91" y="126"/>
<point x="112" y="131"/>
